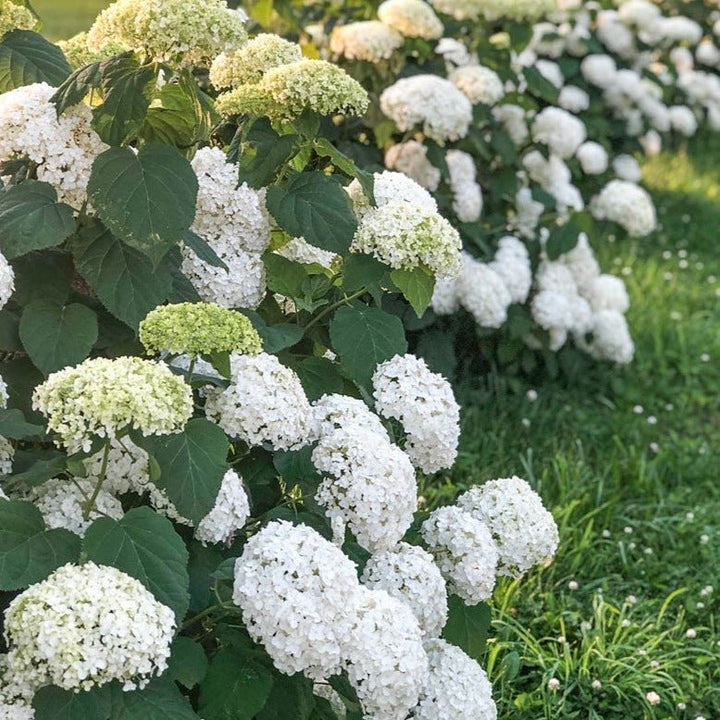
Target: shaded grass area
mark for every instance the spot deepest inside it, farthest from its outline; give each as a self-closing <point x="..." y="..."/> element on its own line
<point x="628" y="462"/>
<point x="64" y="18"/>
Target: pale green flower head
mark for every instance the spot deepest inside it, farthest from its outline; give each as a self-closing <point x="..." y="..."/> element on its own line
<point x="284" y="92"/>
<point x="104" y="397"/>
<point x="78" y="55"/>
<point x="198" y="329"/>
<point x="248" y="64"/>
<point x="15" y="17"/>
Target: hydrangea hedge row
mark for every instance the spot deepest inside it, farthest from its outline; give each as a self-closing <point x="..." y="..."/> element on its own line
<point x="218" y="248"/>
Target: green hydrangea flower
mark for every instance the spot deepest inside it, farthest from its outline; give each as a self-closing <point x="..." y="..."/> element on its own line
<point x="197" y="329"/>
<point x="15" y="17"/>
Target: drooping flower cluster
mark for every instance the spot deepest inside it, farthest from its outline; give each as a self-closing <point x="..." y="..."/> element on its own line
<point x="229" y="514"/>
<point x="198" y="328"/>
<point x="369" y="40"/>
<point x="103" y="397"/>
<point x="85" y="626"/>
<point x="62" y="149"/>
<point x="423" y="401"/>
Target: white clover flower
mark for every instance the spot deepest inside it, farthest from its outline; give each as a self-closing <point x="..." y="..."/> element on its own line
<point x="581" y="263"/>
<point x="410" y="158"/>
<point x="483" y="293"/>
<point x="299" y="596"/>
<point x="467" y="194"/>
<point x="464" y="551"/>
<point x="626" y="167"/>
<point x="411" y="18"/>
<point x="252" y="60"/>
<point x="524" y="531"/>
<point x="478" y="83"/>
<point x="387" y="664"/>
<point x="573" y="99"/>
<point x="406" y="390"/>
<point x="611" y="338"/>
<point x="430" y="101"/>
<point x="593" y="158"/>
<point x="389" y="187"/>
<point x="599" y="70"/>
<point x="527" y="213"/>
<point x="62" y="502"/>
<point x="369" y="485"/>
<point x="188" y="31"/>
<point x="229" y="514"/>
<point x="457" y="686"/>
<point x="410" y="574"/>
<point x="264" y="403"/>
<point x="334" y="412"/>
<point x="607" y="292"/>
<point x="7" y="288"/>
<point x="370" y="40"/>
<point x="63" y="148"/>
<point x="512" y="264"/>
<point x="85" y="626"/>
<point x="627" y="204"/>
<point x="562" y="132"/>
<point x="101" y="397"/>
<point x="513" y="121"/>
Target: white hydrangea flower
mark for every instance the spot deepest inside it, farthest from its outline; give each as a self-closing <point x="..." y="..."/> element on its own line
<point x="483" y="293"/>
<point x="229" y="514"/>
<point x="411" y="18"/>
<point x="599" y="70"/>
<point x="370" y="40"/>
<point x="405" y="389"/>
<point x="683" y="120"/>
<point x="582" y="264"/>
<point x="558" y="305"/>
<point x="7" y="288"/>
<point x="464" y="551"/>
<point x="334" y="412"/>
<point x="389" y="187"/>
<point x="264" y="403"/>
<point x="430" y="101"/>
<point x="593" y="158"/>
<point x="611" y="338"/>
<point x="457" y="686"/>
<point x="369" y="484"/>
<point x="627" y="204"/>
<point x="3" y="393"/>
<point x="467" y="194"/>
<point x="524" y="531"/>
<point x="512" y="264"/>
<point x="62" y="502"/>
<point x="527" y="213"/>
<point x="63" y="148"/>
<point x="554" y="176"/>
<point x="573" y="99"/>
<point x="16" y="693"/>
<point x="410" y="574"/>
<point x="300" y="251"/>
<point x="513" y="119"/>
<point x="16" y="711"/>
<point x="387" y="664"/>
<point x="478" y="83"/>
<point x="551" y="72"/>
<point x="299" y="596"/>
<point x="679" y="28"/>
<point x="494" y="9"/>
<point x="607" y="292"/>
<point x="445" y="299"/>
<point x="410" y="158"/>
<point x="85" y="626"/>
<point x="562" y="132"/>
<point x="626" y="167"/>
<point x="615" y="36"/>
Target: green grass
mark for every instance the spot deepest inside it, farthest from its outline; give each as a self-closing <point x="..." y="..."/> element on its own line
<point x="635" y="492"/>
<point x="64" y="18"/>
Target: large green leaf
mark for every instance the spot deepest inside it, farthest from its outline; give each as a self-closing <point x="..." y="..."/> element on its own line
<point x="188" y="662"/>
<point x="26" y="58"/>
<point x="539" y="85"/>
<point x="73" y="90"/>
<point x="236" y="687"/>
<point x="54" y="703"/>
<point x="122" y="277"/>
<point x="260" y="152"/>
<point x="14" y="426"/>
<point x="562" y="239"/>
<point x="291" y="697"/>
<point x="192" y="464"/>
<point x="417" y="286"/>
<point x="314" y="206"/>
<point x="365" y="336"/>
<point x="467" y="626"/>
<point x="144" y="545"/>
<point x="56" y="335"/>
<point x="146" y="199"/>
<point x="28" y="551"/>
<point x="284" y="276"/>
<point x="31" y="218"/>
<point x="319" y="376"/>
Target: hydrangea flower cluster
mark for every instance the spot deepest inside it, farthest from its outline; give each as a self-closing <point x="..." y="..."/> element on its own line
<point x="78" y="54"/>
<point x="229" y="514"/>
<point x="198" y="328"/>
<point x="7" y="281"/>
<point x="103" y="397"/>
<point x="467" y="194"/>
<point x="478" y="83"/>
<point x="190" y="32"/>
<point x="562" y="132"/>
<point x="264" y="403"/>
<point x="15" y="17"/>
<point x="406" y="390"/>
<point x="334" y="412"/>
<point x="411" y="18"/>
<point x="494" y="9"/>
<point x="85" y="626"/>
<point x="627" y="204"/>
<point x="369" y="40"/>
<point x="410" y="158"/>
<point x="62" y="148"/>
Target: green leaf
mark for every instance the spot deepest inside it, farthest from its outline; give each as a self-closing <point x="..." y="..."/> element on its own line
<point x="45" y="275"/>
<point x="160" y="700"/>
<point x="235" y="687"/>
<point x="192" y="464"/>
<point x="55" y="335"/>
<point x="26" y="58"/>
<point x="73" y="90"/>
<point x="316" y="207"/>
<point x="539" y="86"/>
<point x="467" y="626"/>
<point x="54" y="703"/>
<point x="147" y="200"/>
<point x="341" y="161"/>
<point x="122" y="277"/>
<point x="34" y="467"/>
<point x="14" y="426"/>
<point x="276" y="337"/>
<point x="31" y="218"/>
<point x="417" y="286"/>
<point x="203" y="250"/>
<point x="291" y="697"/>
<point x="437" y="349"/>
<point x="365" y="336"/>
<point x="562" y="239"/>
<point x="28" y="551"/>
<point x="362" y="270"/>
<point x="261" y="152"/>
<point x="284" y="276"/>
<point x="144" y="545"/>
<point x="319" y="377"/>
<point x="188" y="662"/>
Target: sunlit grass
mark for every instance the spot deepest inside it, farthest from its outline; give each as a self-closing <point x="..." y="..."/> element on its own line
<point x="64" y="18"/>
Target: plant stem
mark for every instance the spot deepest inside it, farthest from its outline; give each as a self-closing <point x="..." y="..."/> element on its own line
<point x="191" y="367"/>
<point x="203" y="614"/>
<point x="334" y="306"/>
<point x="103" y="471"/>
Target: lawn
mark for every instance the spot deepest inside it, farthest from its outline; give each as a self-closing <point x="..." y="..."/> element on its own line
<point x="63" y="18"/>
